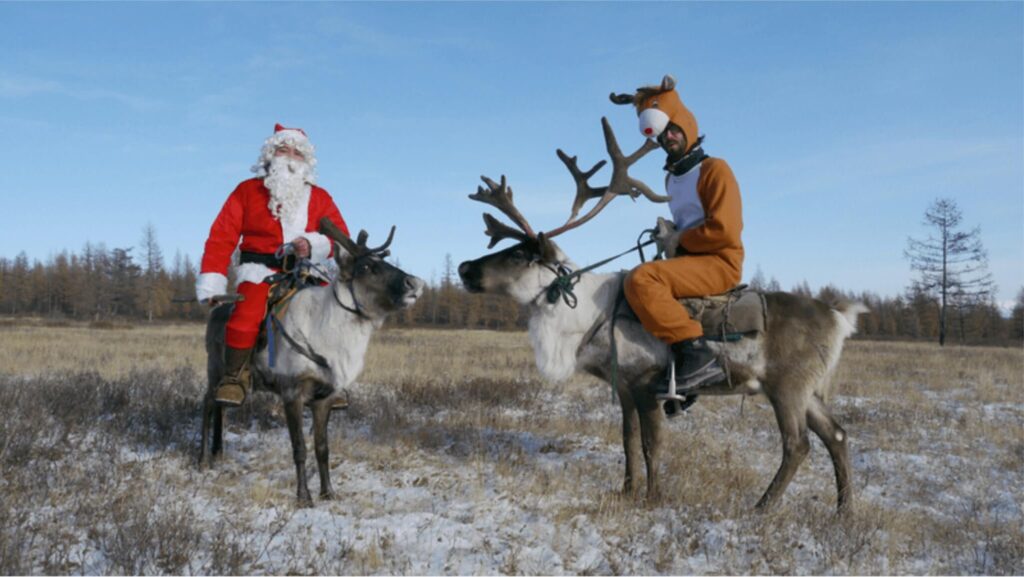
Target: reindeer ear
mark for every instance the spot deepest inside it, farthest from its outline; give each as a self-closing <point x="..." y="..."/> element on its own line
<point x="341" y="254"/>
<point x="343" y="259"/>
<point x="548" y="252"/>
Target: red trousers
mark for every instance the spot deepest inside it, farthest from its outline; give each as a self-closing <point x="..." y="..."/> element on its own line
<point x="653" y="287"/>
<point x="244" y="324"/>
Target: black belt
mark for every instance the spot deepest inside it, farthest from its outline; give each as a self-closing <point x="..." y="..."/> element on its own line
<point x="267" y="260"/>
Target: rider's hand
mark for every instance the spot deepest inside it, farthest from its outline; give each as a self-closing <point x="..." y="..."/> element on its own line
<point x="667" y="238"/>
<point x="301" y="247"/>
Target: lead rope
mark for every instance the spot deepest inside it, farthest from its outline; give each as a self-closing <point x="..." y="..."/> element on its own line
<point x="566" y="279"/>
<point x="619" y="297"/>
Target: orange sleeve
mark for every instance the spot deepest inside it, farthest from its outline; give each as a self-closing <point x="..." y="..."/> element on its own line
<point x="723" y="211"/>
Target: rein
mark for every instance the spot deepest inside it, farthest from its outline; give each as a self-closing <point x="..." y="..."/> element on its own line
<point x="566" y="279"/>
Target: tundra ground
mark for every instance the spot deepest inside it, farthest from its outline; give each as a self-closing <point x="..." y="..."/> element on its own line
<point x="455" y="458"/>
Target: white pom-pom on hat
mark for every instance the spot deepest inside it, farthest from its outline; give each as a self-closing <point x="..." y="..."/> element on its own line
<point x="653" y="122"/>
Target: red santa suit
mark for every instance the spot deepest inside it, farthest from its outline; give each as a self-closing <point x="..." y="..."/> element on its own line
<point x="246" y="215"/>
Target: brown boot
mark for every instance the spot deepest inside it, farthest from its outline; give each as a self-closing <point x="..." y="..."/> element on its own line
<point x="695" y="365"/>
<point x="232" y="387"/>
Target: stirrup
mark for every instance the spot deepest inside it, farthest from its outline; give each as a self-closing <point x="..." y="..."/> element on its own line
<point x="672" y="403"/>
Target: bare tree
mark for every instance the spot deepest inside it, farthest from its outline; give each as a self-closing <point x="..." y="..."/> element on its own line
<point x="1017" y="318"/>
<point x="952" y="263"/>
<point x="153" y="289"/>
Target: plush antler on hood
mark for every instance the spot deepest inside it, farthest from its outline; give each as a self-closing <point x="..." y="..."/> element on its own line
<point x="656" y="106"/>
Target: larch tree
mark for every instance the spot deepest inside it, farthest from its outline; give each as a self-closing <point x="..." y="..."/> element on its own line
<point x="951" y="263"/>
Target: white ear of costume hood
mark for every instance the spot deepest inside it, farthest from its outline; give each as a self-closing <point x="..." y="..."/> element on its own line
<point x="653" y="122"/>
<point x="210" y="284"/>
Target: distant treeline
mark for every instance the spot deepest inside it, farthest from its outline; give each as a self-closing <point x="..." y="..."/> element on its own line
<point x="114" y="284"/>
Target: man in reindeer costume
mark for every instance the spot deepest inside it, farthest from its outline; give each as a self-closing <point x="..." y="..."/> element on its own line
<point x="708" y="252"/>
<point x="281" y="205"/>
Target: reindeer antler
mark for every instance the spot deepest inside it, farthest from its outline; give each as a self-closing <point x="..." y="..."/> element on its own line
<point x="621" y="183"/>
<point x="358" y="248"/>
<point x="584" y="191"/>
<point x="500" y="197"/>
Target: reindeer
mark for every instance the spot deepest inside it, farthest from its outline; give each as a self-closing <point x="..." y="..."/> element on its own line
<point x="790" y="363"/>
<point x="320" y="346"/>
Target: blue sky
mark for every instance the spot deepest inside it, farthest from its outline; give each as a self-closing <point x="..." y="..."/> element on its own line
<point x="841" y="121"/>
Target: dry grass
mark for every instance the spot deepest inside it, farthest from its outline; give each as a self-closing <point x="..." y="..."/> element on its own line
<point x="456" y="458"/>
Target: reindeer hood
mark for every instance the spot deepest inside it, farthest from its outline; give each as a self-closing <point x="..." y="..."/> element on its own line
<point x="656" y="106"/>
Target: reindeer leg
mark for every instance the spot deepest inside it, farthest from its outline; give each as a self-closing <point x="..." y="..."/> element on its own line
<point x="651" y="419"/>
<point x="321" y="415"/>
<point x="218" y="431"/>
<point x="631" y="441"/>
<point x="206" y="414"/>
<point x="820" y="420"/>
<point x="293" y="414"/>
<point x="791" y="415"/>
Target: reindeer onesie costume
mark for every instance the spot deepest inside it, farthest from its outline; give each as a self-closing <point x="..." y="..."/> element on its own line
<point x="706" y="207"/>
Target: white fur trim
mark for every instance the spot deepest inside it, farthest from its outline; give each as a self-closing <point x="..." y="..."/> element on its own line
<point x="253" y="272"/>
<point x="319" y="246"/>
<point x="290" y="134"/>
<point x="653" y="122"/>
<point x="210" y="284"/>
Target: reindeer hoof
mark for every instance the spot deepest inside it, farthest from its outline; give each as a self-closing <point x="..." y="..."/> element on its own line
<point x="327" y="495"/>
<point x="340" y="402"/>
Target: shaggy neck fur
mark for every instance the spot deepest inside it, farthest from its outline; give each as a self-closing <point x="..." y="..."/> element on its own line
<point x="556" y="331"/>
<point x="316" y="321"/>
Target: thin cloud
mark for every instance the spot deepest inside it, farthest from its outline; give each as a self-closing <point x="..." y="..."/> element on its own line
<point x="945" y="158"/>
<point x="24" y="87"/>
<point x="21" y="87"/>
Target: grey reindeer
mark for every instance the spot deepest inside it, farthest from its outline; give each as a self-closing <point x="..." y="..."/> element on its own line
<point x="791" y="362"/>
<point x="320" y="347"/>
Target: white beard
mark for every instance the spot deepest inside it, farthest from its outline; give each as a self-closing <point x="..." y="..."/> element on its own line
<point x="287" y="180"/>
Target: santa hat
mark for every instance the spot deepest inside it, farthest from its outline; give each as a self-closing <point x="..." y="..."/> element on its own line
<point x="656" y="106"/>
<point x="290" y="133"/>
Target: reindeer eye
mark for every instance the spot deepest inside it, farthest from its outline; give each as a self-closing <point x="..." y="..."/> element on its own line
<point x="519" y="255"/>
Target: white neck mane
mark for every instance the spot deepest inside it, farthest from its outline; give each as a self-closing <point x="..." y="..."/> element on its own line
<point x="556" y="330"/>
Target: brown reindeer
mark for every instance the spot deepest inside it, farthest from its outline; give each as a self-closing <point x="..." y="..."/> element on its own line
<point x="321" y="343"/>
<point x="790" y="362"/>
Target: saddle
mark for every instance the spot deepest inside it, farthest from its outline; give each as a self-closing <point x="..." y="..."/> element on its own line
<point x="283" y="286"/>
<point x="728" y="316"/>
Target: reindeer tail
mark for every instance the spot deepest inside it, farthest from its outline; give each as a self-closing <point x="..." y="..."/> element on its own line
<point x="848" y="311"/>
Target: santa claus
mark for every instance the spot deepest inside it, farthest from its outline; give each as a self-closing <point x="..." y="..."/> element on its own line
<point x="281" y="205"/>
